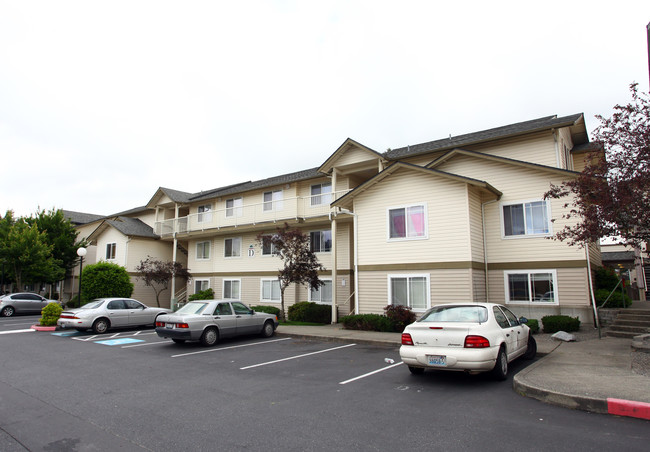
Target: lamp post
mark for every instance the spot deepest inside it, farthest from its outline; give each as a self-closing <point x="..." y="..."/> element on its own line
<point x="81" y="252"/>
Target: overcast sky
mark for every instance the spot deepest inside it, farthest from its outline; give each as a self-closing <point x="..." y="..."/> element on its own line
<point x="103" y="102"/>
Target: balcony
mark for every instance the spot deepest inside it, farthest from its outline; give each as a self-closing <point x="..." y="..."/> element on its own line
<point x="250" y="214"/>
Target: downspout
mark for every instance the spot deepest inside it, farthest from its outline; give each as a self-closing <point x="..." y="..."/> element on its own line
<point x="485" y="255"/>
<point x="356" y="257"/>
<point x="557" y="149"/>
<point x="591" y="291"/>
<point x="172" y="300"/>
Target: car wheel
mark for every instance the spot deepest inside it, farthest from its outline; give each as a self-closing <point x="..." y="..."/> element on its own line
<point x="500" y="371"/>
<point x="100" y="326"/>
<point x="416" y="370"/>
<point x="8" y="311"/>
<point x="531" y="351"/>
<point x="210" y="337"/>
<point x="179" y="341"/>
<point x="267" y="329"/>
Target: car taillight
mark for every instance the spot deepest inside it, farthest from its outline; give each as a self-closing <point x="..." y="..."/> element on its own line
<point x="160" y="324"/>
<point x="476" y="342"/>
<point x="68" y="316"/>
<point x="182" y="325"/>
<point x="407" y="339"/>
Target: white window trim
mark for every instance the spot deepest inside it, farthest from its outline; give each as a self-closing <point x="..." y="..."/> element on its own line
<point x="330" y="194"/>
<point x="223" y="288"/>
<point x="322" y="230"/>
<point x="114" y="247"/>
<point x="525" y="236"/>
<point x="410" y="275"/>
<point x="506" y="287"/>
<point x="236" y="211"/>
<point x="209" y="250"/>
<point x="241" y="244"/>
<point x="201" y="279"/>
<point x="268" y="300"/>
<point x="405" y="207"/>
<point x="320" y="302"/>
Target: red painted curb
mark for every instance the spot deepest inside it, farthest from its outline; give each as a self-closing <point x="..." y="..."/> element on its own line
<point x="43" y="328"/>
<point x="621" y="407"/>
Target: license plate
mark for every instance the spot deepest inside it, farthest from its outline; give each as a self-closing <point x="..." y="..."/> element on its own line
<point x="169" y="325"/>
<point x="437" y="360"/>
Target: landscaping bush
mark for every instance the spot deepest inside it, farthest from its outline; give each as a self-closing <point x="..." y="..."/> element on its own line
<point x="367" y="322"/>
<point x="207" y="294"/>
<point x="103" y="280"/>
<point x="617" y="300"/>
<point x="50" y="314"/>
<point x="268" y="309"/>
<point x="400" y="316"/>
<point x="554" y="323"/>
<point x="533" y="324"/>
<point x="307" y="311"/>
<point x="605" y="278"/>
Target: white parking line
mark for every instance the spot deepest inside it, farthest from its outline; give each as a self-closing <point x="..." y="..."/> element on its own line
<point x="228" y="348"/>
<point x="17" y="331"/>
<point x="147" y="343"/>
<point x="296" y="357"/>
<point x="103" y="337"/>
<point x="370" y="373"/>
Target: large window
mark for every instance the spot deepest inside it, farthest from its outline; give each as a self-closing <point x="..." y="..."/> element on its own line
<point x="231" y="288"/>
<point x="110" y="250"/>
<point x="323" y="294"/>
<point x="268" y="248"/>
<point x="321" y="241"/>
<point x="234" y="207"/>
<point x="273" y="200"/>
<point x="321" y="194"/>
<point x="527" y="218"/>
<point x="408" y="222"/>
<point x="205" y="213"/>
<point x="203" y="250"/>
<point x="534" y="286"/>
<point x="271" y="290"/>
<point x="409" y="290"/>
<point x="232" y="247"/>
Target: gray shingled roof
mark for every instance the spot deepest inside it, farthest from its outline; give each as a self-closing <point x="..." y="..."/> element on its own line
<point x="519" y="128"/>
<point x="129" y="212"/>
<point x="78" y="218"/>
<point x="177" y="195"/>
<point x="132" y="227"/>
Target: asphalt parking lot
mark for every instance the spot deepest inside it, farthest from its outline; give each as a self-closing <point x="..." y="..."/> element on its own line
<point x="130" y="390"/>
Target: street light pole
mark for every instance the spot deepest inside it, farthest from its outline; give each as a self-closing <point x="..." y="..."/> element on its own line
<point x="81" y="252"/>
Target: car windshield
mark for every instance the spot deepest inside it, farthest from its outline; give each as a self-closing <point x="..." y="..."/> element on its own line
<point x="473" y="314"/>
<point x="93" y="304"/>
<point x="192" y="308"/>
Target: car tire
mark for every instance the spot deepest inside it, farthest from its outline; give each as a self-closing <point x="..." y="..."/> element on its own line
<point x="531" y="351"/>
<point x="210" y="337"/>
<point x="500" y="371"/>
<point x="8" y="311"/>
<point x="100" y="326"/>
<point x="416" y="370"/>
<point x="268" y="329"/>
<point x="179" y="341"/>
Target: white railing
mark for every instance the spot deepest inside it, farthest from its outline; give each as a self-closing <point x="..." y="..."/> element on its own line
<point x="251" y="214"/>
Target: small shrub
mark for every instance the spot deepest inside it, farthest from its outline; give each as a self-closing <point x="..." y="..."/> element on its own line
<point x="207" y="294"/>
<point x="533" y="324"/>
<point x="367" y="322"/>
<point x="268" y="309"/>
<point x="554" y="323"/>
<point x="400" y="316"/>
<point x="50" y="314"/>
<point x="307" y="311"/>
<point x="617" y="300"/>
<point x="605" y="278"/>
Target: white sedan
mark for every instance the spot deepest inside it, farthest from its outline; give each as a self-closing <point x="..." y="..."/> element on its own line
<point x="470" y="337"/>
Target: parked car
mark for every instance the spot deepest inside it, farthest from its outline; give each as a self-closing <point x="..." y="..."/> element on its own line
<point x="23" y="303"/>
<point x="470" y="337"/>
<point x="209" y="320"/>
<point x="104" y="313"/>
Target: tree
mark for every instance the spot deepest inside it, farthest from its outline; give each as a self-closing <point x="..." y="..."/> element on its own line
<point x="157" y="274"/>
<point x="300" y="264"/>
<point x="611" y="196"/>
<point x="105" y="279"/>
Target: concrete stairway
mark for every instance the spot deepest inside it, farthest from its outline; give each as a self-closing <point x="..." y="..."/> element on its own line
<point x="630" y="323"/>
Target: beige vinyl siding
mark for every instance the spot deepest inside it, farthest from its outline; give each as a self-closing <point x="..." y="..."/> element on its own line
<point x="146" y="295"/>
<point x="595" y="254"/>
<point x="140" y="249"/>
<point x="478" y="283"/>
<point x="148" y="217"/>
<point x="112" y="235"/>
<point x="353" y="156"/>
<point x="475" y="218"/>
<point x="373" y="292"/>
<point x="564" y="141"/>
<point x="579" y="161"/>
<point x="537" y="148"/>
<point x="344" y="237"/>
<point x="451" y="286"/>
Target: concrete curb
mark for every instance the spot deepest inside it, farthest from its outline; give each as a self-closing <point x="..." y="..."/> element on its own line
<point x="43" y="328"/>
<point x="342" y="339"/>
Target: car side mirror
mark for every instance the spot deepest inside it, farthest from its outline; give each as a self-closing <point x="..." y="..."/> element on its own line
<point x="523" y="320"/>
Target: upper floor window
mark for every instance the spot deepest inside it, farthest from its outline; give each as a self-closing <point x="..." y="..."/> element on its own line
<point x="232" y="247"/>
<point x="205" y="213"/>
<point x="321" y="194"/>
<point x="110" y="250"/>
<point x="268" y="248"/>
<point x="272" y="200"/>
<point x="203" y="250"/>
<point x="533" y="286"/>
<point x="408" y="222"/>
<point x="526" y="218"/>
<point x="234" y="207"/>
<point x="321" y="241"/>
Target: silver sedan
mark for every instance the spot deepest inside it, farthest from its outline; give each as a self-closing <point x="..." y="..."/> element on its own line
<point x="104" y="313"/>
<point x="25" y="303"/>
<point x="209" y="320"/>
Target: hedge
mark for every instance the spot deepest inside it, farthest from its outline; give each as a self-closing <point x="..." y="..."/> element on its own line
<point x="307" y="311"/>
<point x="554" y="323"/>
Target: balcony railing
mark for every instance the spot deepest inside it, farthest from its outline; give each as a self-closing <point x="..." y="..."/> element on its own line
<point x="251" y="214"/>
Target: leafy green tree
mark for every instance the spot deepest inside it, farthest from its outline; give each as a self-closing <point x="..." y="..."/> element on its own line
<point x="157" y="274"/>
<point x="105" y="279"/>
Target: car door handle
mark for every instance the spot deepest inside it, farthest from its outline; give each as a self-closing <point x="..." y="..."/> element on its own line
<point x="216" y="317"/>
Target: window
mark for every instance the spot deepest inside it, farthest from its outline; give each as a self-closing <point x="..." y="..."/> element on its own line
<point x="528" y="218"/>
<point x="321" y="241"/>
<point x="271" y="290"/>
<point x="201" y="285"/>
<point x="535" y="286"/>
<point x="268" y="248"/>
<point x="407" y="222"/>
<point x="231" y="288"/>
<point x="273" y="200"/>
<point x="323" y="294"/>
<point x="321" y="194"/>
<point x="223" y="309"/>
<point x="232" y="247"/>
<point x="409" y="290"/>
<point x="110" y="250"/>
<point x="205" y="214"/>
<point x="234" y="207"/>
<point x="203" y="250"/>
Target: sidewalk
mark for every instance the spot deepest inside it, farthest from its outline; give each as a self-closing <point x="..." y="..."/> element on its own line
<point x="590" y="374"/>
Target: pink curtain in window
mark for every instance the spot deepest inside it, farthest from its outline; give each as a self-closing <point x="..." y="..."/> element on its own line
<point x="416" y="221"/>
